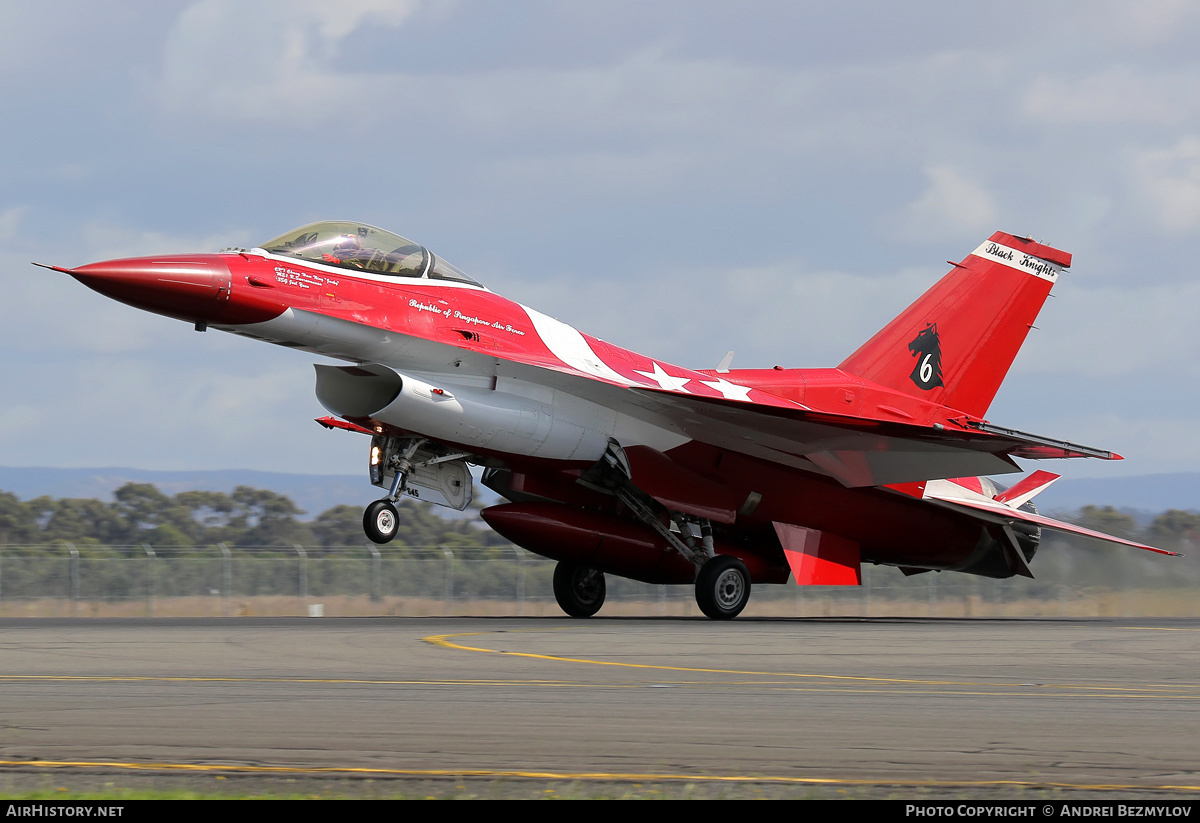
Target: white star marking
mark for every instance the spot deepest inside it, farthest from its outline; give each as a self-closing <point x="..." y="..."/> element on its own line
<point x="731" y="391"/>
<point x="664" y="380"/>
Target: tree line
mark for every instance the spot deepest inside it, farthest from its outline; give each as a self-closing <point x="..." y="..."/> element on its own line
<point x="141" y="514"/>
<point x="1173" y="530"/>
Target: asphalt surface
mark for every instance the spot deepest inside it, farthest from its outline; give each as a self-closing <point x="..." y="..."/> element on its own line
<point x="900" y="706"/>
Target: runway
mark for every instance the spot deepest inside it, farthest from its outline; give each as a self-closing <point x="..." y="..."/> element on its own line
<point x="929" y="706"/>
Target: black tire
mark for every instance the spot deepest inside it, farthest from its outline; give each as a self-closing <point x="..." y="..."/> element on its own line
<point x="381" y="521"/>
<point x="579" y="590"/>
<point x="723" y="587"/>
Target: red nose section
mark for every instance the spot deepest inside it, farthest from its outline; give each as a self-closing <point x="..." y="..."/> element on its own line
<point x="195" y="287"/>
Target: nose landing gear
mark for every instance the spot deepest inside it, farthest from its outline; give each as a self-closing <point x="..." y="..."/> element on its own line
<point x="418" y="468"/>
<point x="381" y="521"/>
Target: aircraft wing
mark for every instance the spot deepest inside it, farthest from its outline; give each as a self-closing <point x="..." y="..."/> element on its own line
<point x="857" y="451"/>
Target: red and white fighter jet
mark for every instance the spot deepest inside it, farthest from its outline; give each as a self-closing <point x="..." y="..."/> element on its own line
<point x="618" y="463"/>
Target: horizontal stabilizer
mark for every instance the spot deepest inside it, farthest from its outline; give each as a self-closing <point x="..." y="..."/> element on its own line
<point x="953" y="495"/>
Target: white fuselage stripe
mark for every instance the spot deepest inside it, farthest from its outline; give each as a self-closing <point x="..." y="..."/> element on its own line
<point x="568" y="345"/>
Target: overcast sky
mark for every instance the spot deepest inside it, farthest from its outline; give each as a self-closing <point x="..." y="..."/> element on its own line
<point x="681" y="178"/>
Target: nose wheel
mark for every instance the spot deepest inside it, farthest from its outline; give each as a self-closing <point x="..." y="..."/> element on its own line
<point x="723" y="587"/>
<point x="381" y="521"/>
<point x="579" y="590"/>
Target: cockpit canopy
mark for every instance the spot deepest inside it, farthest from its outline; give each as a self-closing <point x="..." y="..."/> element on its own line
<point x="359" y="247"/>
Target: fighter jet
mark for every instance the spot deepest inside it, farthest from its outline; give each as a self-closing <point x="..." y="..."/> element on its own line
<point x="614" y="462"/>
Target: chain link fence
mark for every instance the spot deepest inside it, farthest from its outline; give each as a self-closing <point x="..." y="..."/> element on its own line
<point x="141" y="581"/>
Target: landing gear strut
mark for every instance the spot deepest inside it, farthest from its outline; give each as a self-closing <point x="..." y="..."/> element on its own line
<point x="381" y="519"/>
<point x="579" y="590"/>
<point x="722" y="581"/>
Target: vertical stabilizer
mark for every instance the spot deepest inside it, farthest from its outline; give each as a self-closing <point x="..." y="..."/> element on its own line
<point x="955" y="344"/>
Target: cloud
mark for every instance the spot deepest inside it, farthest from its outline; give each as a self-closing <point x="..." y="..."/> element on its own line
<point x="10" y="221"/>
<point x="1148" y="443"/>
<point x="1137" y="25"/>
<point x="107" y="240"/>
<point x="953" y="207"/>
<point x="90" y="381"/>
<point x="48" y="315"/>
<point x="280" y="68"/>
<point x="207" y="408"/>
<point x="1110" y="332"/>
<point x="1168" y="180"/>
<point x="646" y="175"/>
<point x="27" y="38"/>
<point x="783" y="313"/>
<point x="268" y="60"/>
<point x="48" y="312"/>
<point x="1119" y="94"/>
<point x="18" y="422"/>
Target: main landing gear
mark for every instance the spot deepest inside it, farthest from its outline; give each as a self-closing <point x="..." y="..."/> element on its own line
<point x="723" y="587"/>
<point x="722" y="581"/>
<point x="579" y="590"/>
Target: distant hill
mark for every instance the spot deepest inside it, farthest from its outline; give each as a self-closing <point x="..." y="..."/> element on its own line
<point x="1147" y="493"/>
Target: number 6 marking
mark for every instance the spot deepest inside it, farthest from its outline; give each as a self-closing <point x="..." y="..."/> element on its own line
<point x="926" y="368"/>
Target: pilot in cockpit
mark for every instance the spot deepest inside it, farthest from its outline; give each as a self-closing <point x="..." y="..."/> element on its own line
<point x="347" y="249"/>
<point x="363" y="248"/>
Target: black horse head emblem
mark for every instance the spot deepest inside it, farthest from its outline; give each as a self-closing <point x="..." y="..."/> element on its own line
<point x="928" y="350"/>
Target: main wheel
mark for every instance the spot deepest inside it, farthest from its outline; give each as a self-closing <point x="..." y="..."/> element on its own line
<point x="723" y="587"/>
<point x="381" y="521"/>
<point x="579" y="590"/>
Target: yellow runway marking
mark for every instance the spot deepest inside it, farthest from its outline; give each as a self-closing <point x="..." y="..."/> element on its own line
<point x="762" y="679"/>
<point x="1149" y="689"/>
<point x="597" y="776"/>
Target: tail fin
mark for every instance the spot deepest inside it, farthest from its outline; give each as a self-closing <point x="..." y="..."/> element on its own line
<point x="955" y="344"/>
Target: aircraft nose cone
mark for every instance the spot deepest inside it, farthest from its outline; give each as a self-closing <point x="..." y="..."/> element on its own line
<point x="190" y="287"/>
